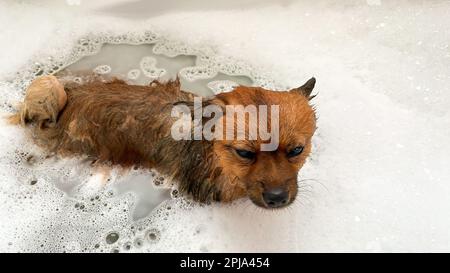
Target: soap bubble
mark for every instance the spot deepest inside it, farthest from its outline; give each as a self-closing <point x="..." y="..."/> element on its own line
<point x="112" y="237"/>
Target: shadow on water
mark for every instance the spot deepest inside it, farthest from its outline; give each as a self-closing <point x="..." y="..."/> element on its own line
<point x="123" y="58"/>
<point x="143" y="8"/>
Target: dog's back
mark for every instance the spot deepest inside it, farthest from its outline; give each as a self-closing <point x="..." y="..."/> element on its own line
<point x="110" y="121"/>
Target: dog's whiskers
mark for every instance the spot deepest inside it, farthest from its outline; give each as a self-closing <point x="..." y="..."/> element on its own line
<point x="302" y="181"/>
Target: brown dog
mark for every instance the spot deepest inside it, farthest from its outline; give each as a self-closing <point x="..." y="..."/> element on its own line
<point x="127" y="125"/>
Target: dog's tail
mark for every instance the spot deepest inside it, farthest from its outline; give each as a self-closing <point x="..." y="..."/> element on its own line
<point x="14" y="119"/>
<point x="44" y="99"/>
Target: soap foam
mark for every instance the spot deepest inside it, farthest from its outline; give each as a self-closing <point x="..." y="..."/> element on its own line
<point x="377" y="178"/>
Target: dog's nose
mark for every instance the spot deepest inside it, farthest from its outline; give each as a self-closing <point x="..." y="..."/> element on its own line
<point x="276" y="197"/>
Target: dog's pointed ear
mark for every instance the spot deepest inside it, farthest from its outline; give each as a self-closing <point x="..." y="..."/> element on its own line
<point x="306" y="88"/>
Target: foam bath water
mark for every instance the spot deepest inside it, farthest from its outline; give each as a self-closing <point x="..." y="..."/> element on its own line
<point x="378" y="176"/>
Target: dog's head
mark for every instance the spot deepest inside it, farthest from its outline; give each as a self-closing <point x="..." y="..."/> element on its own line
<point x="266" y="173"/>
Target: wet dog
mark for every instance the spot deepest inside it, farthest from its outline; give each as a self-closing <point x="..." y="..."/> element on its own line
<point x="130" y="125"/>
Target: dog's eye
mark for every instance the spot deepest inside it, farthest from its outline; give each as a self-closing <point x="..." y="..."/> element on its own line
<point x="246" y="154"/>
<point x="295" y="152"/>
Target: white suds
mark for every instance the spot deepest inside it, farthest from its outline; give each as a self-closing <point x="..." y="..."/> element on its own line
<point x="378" y="176"/>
